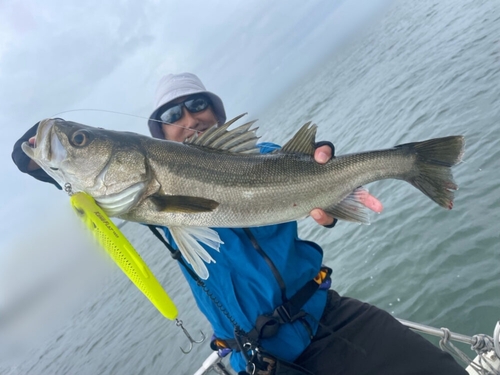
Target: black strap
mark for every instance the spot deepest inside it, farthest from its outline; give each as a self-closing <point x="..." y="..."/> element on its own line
<point x="269" y="262"/>
<point x="176" y="254"/>
<point x="266" y="325"/>
<point x="291" y="310"/>
<point x="158" y="235"/>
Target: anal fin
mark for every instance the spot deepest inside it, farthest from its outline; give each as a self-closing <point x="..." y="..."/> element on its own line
<point x="351" y="208"/>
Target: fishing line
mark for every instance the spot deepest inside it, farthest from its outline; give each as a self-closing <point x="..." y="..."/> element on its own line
<point x="120" y="113"/>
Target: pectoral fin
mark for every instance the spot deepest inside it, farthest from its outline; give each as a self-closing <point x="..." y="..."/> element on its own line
<point x="183" y="203"/>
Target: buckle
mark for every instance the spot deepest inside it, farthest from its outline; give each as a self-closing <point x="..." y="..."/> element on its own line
<point x="282" y="314"/>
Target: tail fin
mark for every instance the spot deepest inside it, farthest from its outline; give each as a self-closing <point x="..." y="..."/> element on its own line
<point x="435" y="157"/>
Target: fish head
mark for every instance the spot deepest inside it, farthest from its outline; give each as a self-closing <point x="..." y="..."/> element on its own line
<point x="110" y="166"/>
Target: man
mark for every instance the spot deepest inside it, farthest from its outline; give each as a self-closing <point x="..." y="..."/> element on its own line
<point x="267" y="296"/>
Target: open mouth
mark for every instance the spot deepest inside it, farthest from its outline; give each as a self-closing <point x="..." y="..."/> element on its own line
<point x="46" y="150"/>
<point x="45" y="147"/>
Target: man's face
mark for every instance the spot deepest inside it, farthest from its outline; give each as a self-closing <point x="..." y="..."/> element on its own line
<point x="198" y="122"/>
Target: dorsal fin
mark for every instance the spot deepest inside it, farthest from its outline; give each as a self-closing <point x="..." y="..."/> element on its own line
<point x="302" y="142"/>
<point x="239" y="140"/>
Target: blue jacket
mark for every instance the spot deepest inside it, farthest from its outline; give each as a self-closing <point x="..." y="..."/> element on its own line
<point x="244" y="284"/>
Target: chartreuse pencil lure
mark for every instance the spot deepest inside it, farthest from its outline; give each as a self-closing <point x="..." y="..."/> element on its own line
<point x="122" y="252"/>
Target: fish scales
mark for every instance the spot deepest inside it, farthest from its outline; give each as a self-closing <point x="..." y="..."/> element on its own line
<point x="249" y="188"/>
<point x="193" y="186"/>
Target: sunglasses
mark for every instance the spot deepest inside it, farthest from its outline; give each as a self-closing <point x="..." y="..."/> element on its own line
<point x="193" y="104"/>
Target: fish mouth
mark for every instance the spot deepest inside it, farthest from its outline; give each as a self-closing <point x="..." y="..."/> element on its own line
<point x="47" y="148"/>
<point x="47" y="151"/>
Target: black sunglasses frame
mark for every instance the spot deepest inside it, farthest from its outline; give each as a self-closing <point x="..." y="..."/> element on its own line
<point x="183" y="104"/>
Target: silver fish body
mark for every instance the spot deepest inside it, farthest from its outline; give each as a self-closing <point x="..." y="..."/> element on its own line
<point x="219" y="179"/>
<point x="255" y="189"/>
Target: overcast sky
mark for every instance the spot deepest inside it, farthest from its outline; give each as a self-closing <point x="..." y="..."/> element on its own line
<point x="58" y="56"/>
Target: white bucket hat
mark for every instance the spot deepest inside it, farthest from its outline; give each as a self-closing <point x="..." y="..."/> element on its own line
<point x="173" y="86"/>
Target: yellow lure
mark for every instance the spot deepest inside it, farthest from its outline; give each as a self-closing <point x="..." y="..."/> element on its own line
<point x="123" y="253"/>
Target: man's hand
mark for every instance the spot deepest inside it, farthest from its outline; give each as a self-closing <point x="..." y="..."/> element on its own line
<point x="322" y="155"/>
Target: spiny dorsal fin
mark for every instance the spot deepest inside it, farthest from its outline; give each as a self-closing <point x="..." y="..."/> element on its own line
<point x="210" y="134"/>
<point x="239" y="140"/>
<point x="302" y="142"/>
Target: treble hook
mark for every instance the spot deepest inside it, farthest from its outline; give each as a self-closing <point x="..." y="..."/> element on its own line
<point x="178" y="323"/>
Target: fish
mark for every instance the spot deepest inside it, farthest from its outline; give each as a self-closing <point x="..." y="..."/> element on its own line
<point x="220" y="179"/>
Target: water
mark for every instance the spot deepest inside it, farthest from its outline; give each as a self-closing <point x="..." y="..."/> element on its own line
<point x="427" y="69"/>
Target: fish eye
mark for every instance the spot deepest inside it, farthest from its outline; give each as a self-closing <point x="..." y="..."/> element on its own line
<point x="80" y="138"/>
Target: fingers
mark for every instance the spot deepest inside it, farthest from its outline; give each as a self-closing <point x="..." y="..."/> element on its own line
<point x="31" y="141"/>
<point x="321" y="217"/>
<point x="323" y="154"/>
<point x="365" y="198"/>
<point x="370" y="202"/>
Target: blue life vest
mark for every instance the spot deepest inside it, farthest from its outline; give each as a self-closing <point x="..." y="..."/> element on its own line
<point x="243" y="283"/>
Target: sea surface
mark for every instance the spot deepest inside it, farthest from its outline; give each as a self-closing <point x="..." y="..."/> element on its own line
<point x="427" y="69"/>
